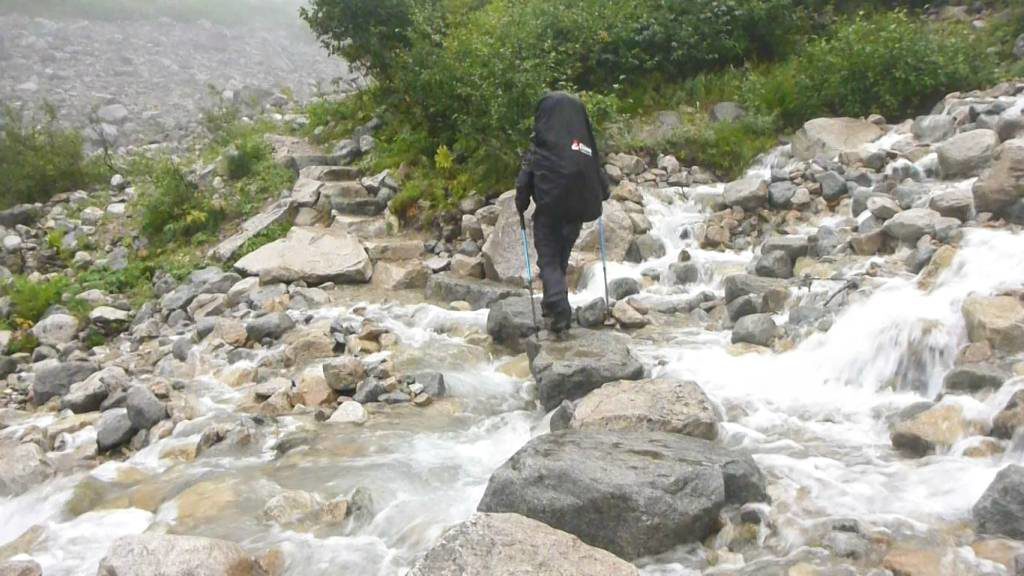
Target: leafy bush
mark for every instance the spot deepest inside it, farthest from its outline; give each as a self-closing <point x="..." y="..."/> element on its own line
<point x="275" y="232"/>
<point x="30" y="300"/>
<point x="886" y="63"/>
<point x="38" y="161"/>
<point x="171" y="207"/>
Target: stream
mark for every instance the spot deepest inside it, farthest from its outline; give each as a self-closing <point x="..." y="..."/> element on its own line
<point x="815" y="418"/>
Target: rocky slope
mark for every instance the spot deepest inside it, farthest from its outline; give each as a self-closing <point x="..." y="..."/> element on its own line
<point x="795" y="369"/>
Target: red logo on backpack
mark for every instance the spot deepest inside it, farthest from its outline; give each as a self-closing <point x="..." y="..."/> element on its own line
<point x="581" y="148"/>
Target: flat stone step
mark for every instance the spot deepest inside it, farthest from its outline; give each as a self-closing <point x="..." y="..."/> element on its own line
<point x="394" y="250"/>
<point x="363" y="227"/>
<point x="331" y="173"/>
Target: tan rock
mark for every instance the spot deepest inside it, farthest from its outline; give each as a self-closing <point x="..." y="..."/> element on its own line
<point x="206" y="500"/>
<point x="938" y="427"/>
<point x="308" y="345"/>
<point x="311" y="389"/>
<point x="997" y="319"/>
<point x="914" y="562"/>
<point x="230" y="331"/>
<point x="660" y="405"/>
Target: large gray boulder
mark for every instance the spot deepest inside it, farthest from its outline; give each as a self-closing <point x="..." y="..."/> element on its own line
<point x="1000" y="510"/>
<point x="996" y="319"/>
<point x="313" y="255"/>
<point x="113" y="429"/>
<point x="911" y="225"/>
<point x="658" y="405"/>
<point x="271" y="326"/>
<point x="932" y="128"/>
<point x="54" y="378"/>
<point x="22" y="466"/>
<point x="956" y="203"/>
<point x="742" y="284"/>
<point x="1003" y="185"/>
<point x="56" y="329"/>
<point x="830" y="136"/>
<point x="568" y="367"/>
<point x="618" y="233"/>
<point x="631" y="493"/>
<point x="144" y="408"/>
<point x="514" y="545"/>
<point x="756" y="329"/>
<point x="967" y="153"/>
<point x="89" y="394"/>
<point x="510" y="321"/>
<point x="503" y="250"/>
<point x="749" y="193"/>
<point x="447" y="287"/>
<point x="169" y="555"/>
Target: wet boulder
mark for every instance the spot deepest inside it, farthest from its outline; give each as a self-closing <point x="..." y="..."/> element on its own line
<point x="742" y="284"/>
<point x="631" y="493"/>
<point x="593" y="313"/>
<point x="618" y="233"/>
<point x="271" y="326"/>
<point x="957" y="204"/>
<point x="1003" y="185"/>
<point x="1000" y="510"/>
<point x="967" y="153"/>
<point x="774" y="264"/>
<point x="312" y="255"/>
<point x="937" y="427"/>
<point x="974" y="378"/>
<point x="503" y="250"/>
<point x="645" y="247"/>
<point x="344" y="374"/>
<point x="1011" y="418"/>
<point x="658" y="405"/>
<point x="999" y="320"/>
<point x="513" y="545"/>
<point x="20" y="568"/>
<point x="683" y="273"/>
<point x="510" y="321"/>
<point x="447" y="287"/>
<point x="569" y="367"/>
<point x="828" y="137"/>
<point x="621" y="288"/>
<point x="171" y="555"/>
<point x="89" y="394"/>
<point x="22" y="466"/>
<point x="758" y="329"/>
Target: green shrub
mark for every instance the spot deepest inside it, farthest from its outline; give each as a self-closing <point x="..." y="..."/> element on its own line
<point x="171" y="207"/>
<point x="38" y="161"/>
<point x="887" y="63"/>
<point x="242" y="157"/>
<point x="275" y="232"/>
<point x="30" y="300"/>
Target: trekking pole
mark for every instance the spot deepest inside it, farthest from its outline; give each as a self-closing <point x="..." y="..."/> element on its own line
<point x="529" y="270"/>
<point x="604" y="259"/>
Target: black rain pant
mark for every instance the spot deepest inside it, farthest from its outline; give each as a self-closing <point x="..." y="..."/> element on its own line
<point x="554" y="239"/>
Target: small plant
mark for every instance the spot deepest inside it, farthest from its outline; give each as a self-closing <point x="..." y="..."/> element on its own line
<point x="40" y="160"/>
<point x="30" y="300"/>
<point x="271" y="234"/>
<point x="172" y="207"/>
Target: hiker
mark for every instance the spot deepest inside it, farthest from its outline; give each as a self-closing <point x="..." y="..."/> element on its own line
<point x="562" y="173"/>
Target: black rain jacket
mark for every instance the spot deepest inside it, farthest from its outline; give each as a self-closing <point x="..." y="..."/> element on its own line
<point x="562" y="171"/>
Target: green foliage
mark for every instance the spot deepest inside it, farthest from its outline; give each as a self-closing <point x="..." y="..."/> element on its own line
<point x="30" y="300"/>
<point x="887" y="63"/>
<point x="40" y="160"/>
<point x="171" y="207"/>
<point x="242" y="158"/>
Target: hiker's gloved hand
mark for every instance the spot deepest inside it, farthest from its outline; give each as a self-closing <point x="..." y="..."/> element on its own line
<point x="522" y="202"/>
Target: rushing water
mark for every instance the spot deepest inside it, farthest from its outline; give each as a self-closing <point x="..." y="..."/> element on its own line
<point x="814" y="417"/>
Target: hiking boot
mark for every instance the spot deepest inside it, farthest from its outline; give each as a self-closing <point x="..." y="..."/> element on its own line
<point x="561" y="320"/>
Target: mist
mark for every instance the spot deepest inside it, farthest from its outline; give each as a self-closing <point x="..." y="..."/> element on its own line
<point x="284" y="13"/>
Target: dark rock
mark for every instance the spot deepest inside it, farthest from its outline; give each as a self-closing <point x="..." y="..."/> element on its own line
<point x="645" y="247"/>
<point x="1011" y="418"/>
<point x="433" y="384"/>
<point x="833" y="186"/>
<point x="743" y="306"/>
<point x="974" y="378"/>
<point x="113" y="429"/>
<point x="742" y="284"/>
<point x="621" y="288"/>
<point x="781" y="193"/>
<point x="56" y="378"/>
<point x="682" y="273"/>
<point x="1000" y="510"/>
<point x="801" y="315"/>
<point x="369" y="390"/>
<point x="633" y="494"/>
<point x="510" y="321"/>
<point x="144" y="409"/>
<point x="271" y="326"/>
<point x="23" y="215"/>
<point x="774" y="265"/>
<point x="593" y="314"/>
<point x="569" y="367"/>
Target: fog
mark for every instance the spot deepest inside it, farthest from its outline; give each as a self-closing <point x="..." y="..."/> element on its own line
<point x="164" y="61"/>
